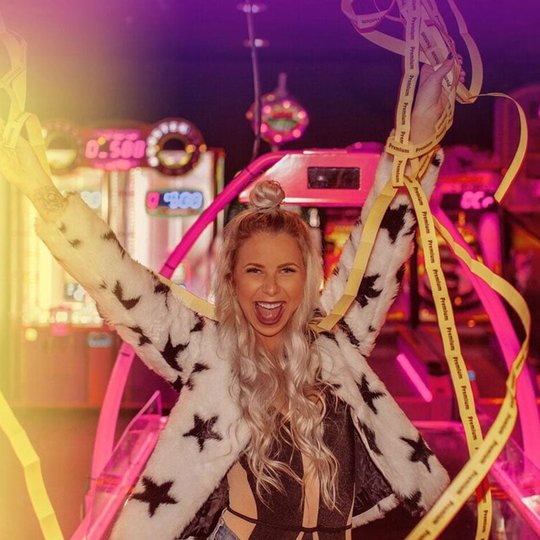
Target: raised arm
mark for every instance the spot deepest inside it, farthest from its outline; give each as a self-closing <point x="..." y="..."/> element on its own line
<point x="393" y="244"/>
<point x="129" y="296"/>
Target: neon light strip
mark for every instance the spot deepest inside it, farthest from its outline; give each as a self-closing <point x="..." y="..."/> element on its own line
<point x="95" y="525"/>
<point x="531" y="517"/>
<point x="414" y="377"/>
<point x="529" y="416"/>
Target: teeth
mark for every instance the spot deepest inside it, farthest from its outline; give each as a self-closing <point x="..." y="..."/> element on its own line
<point x="269" y="305"/>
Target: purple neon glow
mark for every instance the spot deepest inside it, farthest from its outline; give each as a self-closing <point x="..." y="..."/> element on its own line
<point x="529" y="417"/>
<point x="414" y="377"/>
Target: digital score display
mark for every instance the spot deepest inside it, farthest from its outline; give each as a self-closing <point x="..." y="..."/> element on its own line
<point x="174" y="203"/>
<point x="333" y="178"/>
<point x="172" y="146"/>
<point x="115" y="149"/>
<point x="469" y="200"/>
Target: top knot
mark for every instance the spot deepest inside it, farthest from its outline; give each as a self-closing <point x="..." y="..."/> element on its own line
<point x="266" y="195"/>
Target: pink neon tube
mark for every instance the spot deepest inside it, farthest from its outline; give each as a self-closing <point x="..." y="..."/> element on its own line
<point x="108" y="417"/>
<point x="528" y="411"/>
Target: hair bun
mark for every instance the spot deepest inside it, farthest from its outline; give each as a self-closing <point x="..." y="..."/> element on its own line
<point x="266" y="195"/>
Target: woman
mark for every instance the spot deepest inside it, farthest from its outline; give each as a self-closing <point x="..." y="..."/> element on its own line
<point x="278" y="432"/>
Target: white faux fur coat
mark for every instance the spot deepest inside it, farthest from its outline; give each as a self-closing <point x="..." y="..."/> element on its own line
<point x="205" y="433"/>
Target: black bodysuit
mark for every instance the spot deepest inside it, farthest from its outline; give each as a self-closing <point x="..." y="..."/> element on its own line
<point x="283" y="517"/>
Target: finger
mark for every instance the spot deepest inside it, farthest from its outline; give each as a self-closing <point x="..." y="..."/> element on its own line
<point x="425" y="71"/>
<point x="443" y="69"/>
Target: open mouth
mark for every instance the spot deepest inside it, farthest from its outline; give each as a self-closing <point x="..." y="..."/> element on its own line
<point x="269" y="312"/>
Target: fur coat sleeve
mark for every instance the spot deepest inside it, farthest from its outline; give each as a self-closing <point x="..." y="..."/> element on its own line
<point x="129" y="296"/>
<point x="393" y="246"/>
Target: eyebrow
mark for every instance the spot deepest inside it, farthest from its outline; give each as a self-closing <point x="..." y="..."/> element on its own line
<point x="280" y="266"/>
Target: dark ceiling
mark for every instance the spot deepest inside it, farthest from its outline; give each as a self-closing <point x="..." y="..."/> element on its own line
<point x="149" y="59"/>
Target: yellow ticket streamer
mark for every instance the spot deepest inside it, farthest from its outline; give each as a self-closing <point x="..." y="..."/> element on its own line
<point x="14" y="84"/>
<point x="427" y="39"/>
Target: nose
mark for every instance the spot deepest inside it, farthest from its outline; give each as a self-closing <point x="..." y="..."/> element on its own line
<point x="270" y="284"/>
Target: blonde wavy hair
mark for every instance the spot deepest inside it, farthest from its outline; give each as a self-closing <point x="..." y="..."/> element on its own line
<point x="292" y="374"/>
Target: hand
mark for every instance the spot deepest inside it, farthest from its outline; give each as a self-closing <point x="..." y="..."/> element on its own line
<point x="430" y="100"/>
<point x="20" y="166"/>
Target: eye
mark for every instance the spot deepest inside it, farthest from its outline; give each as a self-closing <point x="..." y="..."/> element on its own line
<point x="253" y="270"/>
<point x="289" y="270"/>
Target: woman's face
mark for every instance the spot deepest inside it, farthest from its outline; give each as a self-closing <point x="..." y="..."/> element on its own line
<point x="269" y="278"/>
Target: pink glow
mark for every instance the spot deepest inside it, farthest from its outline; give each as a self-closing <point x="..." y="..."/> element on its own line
<point x="414" y="377"/>
<point x="102" y="507"/>
<point x="526" y="401"/>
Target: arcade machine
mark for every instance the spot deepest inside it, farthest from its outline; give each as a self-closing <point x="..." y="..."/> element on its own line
<point x="312" y="178"/>
<point x="149" y="183"/>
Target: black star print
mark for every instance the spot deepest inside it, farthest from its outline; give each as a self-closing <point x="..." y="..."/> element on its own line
<point x="370" y="437"/>
<point x="394" y="220"/>
<point x="119" y="293"/>
<point x="178" y="384"/>
<point x="75" y="243"/>
<point x="369" y="396"/>
<point x="371" y="328"/>
<point x="367" y="290"/>
<point x="330" y="335"/>
<point x="197" y="368"/>
<point x="161" y="288"/>
<point x="412" y="503"/>
<point x="421" y="451"/>
<point x="170" y="352"/>
<point x="199" y="325"/>
<point x="142" y="338"/>
<point x="110" y="236"/>
<point x="400" y="273"/>
<point x="202" y="430"/>
<point x="154" y="494"/>
<point x="349" y="333"/>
